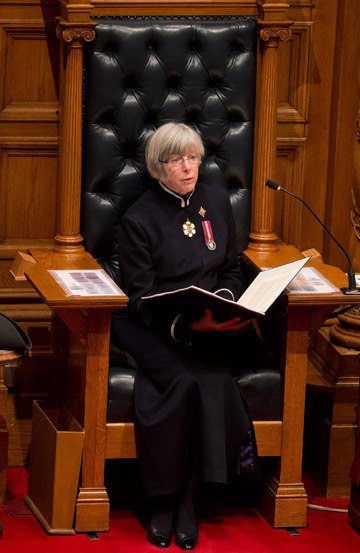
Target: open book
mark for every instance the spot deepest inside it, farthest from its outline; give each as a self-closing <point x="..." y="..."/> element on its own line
<point x="256" y="300"/>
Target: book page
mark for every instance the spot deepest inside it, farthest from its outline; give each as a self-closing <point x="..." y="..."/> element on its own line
<point x="268" y="285"/>
<point x="87" y="282"/>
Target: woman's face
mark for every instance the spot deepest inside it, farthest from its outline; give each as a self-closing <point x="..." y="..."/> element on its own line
<point x="182" y="172"/>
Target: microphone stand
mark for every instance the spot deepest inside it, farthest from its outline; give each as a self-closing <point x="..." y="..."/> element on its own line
<point x="352" y="288"/>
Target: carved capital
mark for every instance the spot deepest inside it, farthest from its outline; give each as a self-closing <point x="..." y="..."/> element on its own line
<point x="76" y="36"/>
<point x="358" y="128"/>
<point x="275" y="33"/>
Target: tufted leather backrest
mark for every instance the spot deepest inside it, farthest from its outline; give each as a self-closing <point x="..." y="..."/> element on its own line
<point x="142" y="72"/>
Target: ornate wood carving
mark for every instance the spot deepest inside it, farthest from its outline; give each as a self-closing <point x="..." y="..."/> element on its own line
<point x="346" y="331"/>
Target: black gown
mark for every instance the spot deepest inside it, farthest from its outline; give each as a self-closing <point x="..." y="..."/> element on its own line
<point x="189" y="412"/>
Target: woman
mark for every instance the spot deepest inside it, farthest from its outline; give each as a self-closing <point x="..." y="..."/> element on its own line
<point x="190" y="421"/>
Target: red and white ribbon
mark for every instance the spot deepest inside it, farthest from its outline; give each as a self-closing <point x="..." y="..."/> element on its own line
<point x="208" y="235"/>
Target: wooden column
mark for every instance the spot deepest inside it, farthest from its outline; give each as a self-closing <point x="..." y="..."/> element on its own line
<point x="68" y="238"/>
<point x="262" y="236"/>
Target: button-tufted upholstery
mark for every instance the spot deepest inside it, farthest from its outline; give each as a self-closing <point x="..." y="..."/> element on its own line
<point x="139" y="74"/>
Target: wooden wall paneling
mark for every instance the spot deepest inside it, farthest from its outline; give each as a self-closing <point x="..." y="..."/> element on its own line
<point x="29" y="51"/>
<point x="28" y="124"/>
<point x="30" y="85"/>
<point x="292" y="127"/>
<point x="344" y="109"/>
<point x="291" y="153"/>
<point x="28" y="195"/>
<point x="293" y="76"/>
<point x="354" y="250"/>
<point x="323" y="45"/>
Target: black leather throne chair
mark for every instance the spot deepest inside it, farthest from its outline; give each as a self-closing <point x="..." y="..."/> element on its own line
<point x="139" y="74"/>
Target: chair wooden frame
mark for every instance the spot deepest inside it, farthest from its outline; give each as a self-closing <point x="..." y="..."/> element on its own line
<point x="84" y="323"/>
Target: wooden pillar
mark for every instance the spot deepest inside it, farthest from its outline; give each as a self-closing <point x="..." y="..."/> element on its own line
<point x="273" y="27"/>
<point x="68" y="238"/>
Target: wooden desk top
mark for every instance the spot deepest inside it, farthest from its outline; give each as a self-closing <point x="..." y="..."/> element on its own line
<point x="286" y="254"/>
<point x="53" y="294"/>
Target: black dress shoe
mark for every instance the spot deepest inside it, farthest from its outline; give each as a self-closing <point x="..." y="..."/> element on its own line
<point x="184" y="542"/>
<point x="159" y="528"/>
<point x="158" y="539"/>
<point x="186" y="530"/>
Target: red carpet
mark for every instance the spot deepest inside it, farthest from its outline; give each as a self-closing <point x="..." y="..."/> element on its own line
<point x="228" y="530"/>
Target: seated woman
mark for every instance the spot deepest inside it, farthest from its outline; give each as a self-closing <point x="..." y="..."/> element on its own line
<point x="190" y="419"/>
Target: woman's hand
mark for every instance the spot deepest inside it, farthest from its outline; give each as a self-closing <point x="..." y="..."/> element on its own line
<point x="208" y="324"/>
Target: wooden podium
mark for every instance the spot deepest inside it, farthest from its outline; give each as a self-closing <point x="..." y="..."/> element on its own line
<point x="81" y="344"/>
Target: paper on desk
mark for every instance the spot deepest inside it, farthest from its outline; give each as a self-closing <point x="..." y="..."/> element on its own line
<point x="311" y="281"/>
<point x="86" y="282"/>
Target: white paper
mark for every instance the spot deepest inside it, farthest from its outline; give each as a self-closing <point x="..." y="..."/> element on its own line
<point x="88" y="282"/>
<point x="310" y="281"/>
<point x="269" y="284"/>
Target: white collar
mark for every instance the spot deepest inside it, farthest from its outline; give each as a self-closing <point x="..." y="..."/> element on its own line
<point x="184" y="202"/>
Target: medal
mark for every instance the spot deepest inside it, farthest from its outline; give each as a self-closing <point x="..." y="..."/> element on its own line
<point x="208" y="235"/>
<point x="188" y="228"/>
<point x="202" y="212"/>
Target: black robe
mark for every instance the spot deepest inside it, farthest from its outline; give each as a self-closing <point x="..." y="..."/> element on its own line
<point x="189" y="412"/>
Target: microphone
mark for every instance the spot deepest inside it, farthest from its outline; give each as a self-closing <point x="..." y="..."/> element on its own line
<point x="351" y="289"/>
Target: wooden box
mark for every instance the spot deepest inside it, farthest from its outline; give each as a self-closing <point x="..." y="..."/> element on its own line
<point x="55" y="461"/>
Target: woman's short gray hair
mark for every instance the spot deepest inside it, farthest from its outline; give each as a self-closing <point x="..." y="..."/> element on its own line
<point x="168" y="140"/>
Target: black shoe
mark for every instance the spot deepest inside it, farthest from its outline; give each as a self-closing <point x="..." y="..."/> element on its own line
<point x="185" y="542"/>
<point x="159" y="527"/>
<point x="158" y="539"/>
<point x="186" y="530"/>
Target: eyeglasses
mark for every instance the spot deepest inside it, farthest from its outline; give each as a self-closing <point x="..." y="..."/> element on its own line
<point x="177" y="161"/>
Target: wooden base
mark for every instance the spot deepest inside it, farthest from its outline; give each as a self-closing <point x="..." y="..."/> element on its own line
<point x="330" y="419"/>
<point x="92" y="510"/>
<point x="44" y="522"/>
<point x="285" y="505"/>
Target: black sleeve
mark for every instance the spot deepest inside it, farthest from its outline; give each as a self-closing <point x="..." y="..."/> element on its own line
<point x="138" y="277"/>
<point x="229" y="274"/>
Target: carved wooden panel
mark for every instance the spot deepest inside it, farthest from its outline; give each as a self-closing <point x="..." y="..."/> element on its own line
<point x="28" y="194"/>
<point x="293" y="75"/>
<point x="294" y="90"/>
<point x="29" y="84"/>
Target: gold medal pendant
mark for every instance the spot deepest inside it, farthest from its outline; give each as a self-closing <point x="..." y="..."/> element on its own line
<point x="188" y="228"/>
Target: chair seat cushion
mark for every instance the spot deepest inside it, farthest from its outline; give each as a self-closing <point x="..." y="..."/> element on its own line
<point x="262" y="388"/>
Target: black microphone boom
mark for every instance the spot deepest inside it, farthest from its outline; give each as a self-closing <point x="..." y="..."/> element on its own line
<point x="351" y="289"/>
